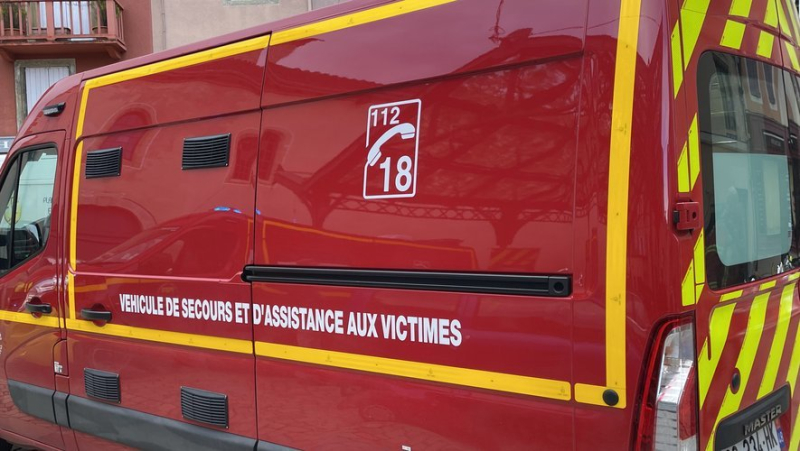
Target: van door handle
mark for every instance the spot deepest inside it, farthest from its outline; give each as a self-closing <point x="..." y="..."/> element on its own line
<point x="43" y="309"/>
<point x="94" y="315"/>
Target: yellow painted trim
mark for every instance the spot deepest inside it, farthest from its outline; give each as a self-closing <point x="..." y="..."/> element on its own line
<point x="27" y="318"/>
<point x="794" y="362"/>
<point x="225" y="51"/>
<point x="792" y="52"/>
<point x="677" y="59"/>
<point x="694" y="153"/>
<point x="617" y="229"/>
<point x="708" y="360"/>
<point x="71" y="294"/>
<point x="732" y="35"/>
<point x="794" y="442"/>
<point x="683" y="170"/>
<point x="698" y="291"/>
<point x="509" y="383"/>
<point x="765" y="44"/>
<point x="771" y="15"/>
<point x="783" y="23"/>
<point x="767" y="285"/>
<point x="687" y="287"/>
<point x="693" y="14"/>
<point x="355" y="19"/>
<point x="164" y="336"/>
<point x="778" y="342"/>
<point x="591" y="394"/>
<point x="700" y="259"/>
<point x="731" y="296"/>
<point x="793" y="277"/>
<point x="793" y="17"/>
<point x="747" y="356"/>
<point x="741" y="8"/>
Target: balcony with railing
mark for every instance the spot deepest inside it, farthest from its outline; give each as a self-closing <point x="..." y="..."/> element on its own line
<point x="46" y="27"/>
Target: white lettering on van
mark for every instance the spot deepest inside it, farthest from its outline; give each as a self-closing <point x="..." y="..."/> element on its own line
<point x="361" y="325"/>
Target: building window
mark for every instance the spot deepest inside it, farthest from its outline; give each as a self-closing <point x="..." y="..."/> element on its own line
<point x="317" y="4"/>
<point x="34" y="77"/>
<point x="250" y="2"/>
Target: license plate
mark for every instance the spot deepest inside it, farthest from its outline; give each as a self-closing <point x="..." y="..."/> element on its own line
<point x="769" y="438"/>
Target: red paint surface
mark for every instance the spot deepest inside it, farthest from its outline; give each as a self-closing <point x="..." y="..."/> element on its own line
<point x="512" y="177"/>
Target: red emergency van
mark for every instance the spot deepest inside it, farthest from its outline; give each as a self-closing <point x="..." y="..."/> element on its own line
<point x="413" y="225"/>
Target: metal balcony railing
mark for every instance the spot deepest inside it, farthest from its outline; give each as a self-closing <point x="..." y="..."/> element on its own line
<point x="48" y="21"/>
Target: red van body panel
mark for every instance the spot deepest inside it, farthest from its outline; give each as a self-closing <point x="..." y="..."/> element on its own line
<point x="384" y="159"/>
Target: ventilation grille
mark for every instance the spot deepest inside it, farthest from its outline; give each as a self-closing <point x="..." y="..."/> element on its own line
<point x="204" y="406"/>
<point x="101" y="385"/>
<point x="206" y="152"/>
<point x="104" y="163"/>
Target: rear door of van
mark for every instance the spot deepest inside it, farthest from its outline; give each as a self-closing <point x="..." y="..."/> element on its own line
<point x="743" y="170"/>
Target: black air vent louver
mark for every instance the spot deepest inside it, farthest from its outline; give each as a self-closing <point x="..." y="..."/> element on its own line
<point x="204" y="406"/>
<point x="206" y="152"/>
<point x="104" y="163"/>
<point x="101" y="385"/>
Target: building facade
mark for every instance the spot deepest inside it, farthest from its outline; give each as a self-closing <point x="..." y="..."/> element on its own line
<point x="42" y="41"/>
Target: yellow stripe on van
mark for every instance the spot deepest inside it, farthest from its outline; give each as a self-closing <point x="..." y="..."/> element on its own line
<point x="700" y="258"/>
<point x="747" y="356"/>
<point x="741" y="8"/>
<point x="693" y="14"/>
<point x="794" y="362"/>
<point x="791" y="50"/>
<point x="708" y="360"/>
<point x="731" y="296"/>
<point x="683" y="170"/>
<point x="778" y="342"/>
<point x="488" y="380"/>
<point x="164" y="336"/>
<point x="790" y="8"/>
<point x="355" y="19"/>
<point x="733" y="35"/>
<point x="687" y="287"/>
<point x="783" y="23"/>
<point x="617" y="228"/>
<point x="767" y="285"/>
<point x="694" y="153"/>
<point x="765" y="44"/>
<point x="795" y="441"/>
<point x="771" y="15"/>
<point x="27" y="318"/>
<point x="677" y="59"/>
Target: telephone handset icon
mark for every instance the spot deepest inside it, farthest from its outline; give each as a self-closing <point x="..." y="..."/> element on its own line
<point x="406" y="131"/>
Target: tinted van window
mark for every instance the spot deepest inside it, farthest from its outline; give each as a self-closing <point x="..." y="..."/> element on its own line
<point x="748" y="169"/>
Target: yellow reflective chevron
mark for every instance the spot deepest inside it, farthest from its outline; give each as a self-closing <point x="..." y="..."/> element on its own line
<point x="718" y="328"/>
<point x="747" y="356"/>
<point x="694" y="153"/>
<point x="733" y="34"/>
<point x="778" y="342"/>
<point x="792" y="52"/>
<point x="765" y="44"/>
<point x="783" y="23"/>
<point x="677" y="60"/>
<point x="771" y="16"/>
<point x="683" y="170"/>
<point x="687" y="287"/>
<point x="741" y="8"/>
<point x="692" y="16"/>
<point x="793" y="18"/>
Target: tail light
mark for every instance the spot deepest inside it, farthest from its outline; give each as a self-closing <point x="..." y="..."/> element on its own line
<point x="668" y="416"/>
